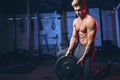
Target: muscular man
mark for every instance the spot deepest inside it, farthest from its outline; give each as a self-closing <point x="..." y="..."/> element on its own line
<point x="84" y="26"/>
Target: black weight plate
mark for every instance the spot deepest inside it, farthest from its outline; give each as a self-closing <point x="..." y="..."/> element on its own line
<point x="67" y="68"/>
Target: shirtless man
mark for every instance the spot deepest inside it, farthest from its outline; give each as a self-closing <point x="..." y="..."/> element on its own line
<point x="84" y="26"/>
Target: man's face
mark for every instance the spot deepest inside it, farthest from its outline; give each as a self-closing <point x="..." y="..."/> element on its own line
<point x="78" y="11"/>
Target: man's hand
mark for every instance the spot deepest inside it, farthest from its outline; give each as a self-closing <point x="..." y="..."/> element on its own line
<point x="80" y="61"/>
<point x="67" y="53"/>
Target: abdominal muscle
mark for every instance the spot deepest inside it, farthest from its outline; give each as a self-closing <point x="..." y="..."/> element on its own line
<point x="83" y="38"/>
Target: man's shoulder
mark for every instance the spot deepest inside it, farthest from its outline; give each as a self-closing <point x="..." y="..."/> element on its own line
<point x="75" y="21"/>
<point x="90" y="22"/>
<point x="90" y="19"/>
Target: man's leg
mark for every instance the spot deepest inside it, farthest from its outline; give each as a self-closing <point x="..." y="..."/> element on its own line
<point x="87" y="68"/>
<point x="78" y="53"/>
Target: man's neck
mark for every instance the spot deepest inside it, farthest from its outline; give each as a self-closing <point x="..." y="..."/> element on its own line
<point x="83" y="16"/>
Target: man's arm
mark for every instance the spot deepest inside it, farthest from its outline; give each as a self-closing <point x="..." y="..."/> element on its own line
<point x="72" y="40"/>
<point x="91" y="32"/>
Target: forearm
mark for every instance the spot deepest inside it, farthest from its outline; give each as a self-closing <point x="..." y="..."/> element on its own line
<point x="87" y="48"/>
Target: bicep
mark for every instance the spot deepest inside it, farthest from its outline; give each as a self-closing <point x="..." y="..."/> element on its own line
<point x="91" y="32"/>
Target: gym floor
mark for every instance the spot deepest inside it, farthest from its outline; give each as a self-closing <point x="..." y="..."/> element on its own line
<point x="107" y="63"/>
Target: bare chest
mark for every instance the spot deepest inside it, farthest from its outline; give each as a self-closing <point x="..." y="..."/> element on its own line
<point x="81" y="27"/>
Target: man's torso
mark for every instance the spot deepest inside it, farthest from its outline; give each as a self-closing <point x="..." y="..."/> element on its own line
<point x="80" y="26"/>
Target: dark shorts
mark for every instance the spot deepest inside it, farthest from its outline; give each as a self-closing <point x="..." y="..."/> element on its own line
<point x="79" y="50"/>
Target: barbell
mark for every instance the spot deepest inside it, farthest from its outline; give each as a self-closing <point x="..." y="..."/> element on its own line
<point x="66" y="68"/>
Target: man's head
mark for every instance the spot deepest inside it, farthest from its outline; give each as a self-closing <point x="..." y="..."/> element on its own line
<point x="79" y="7"/>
